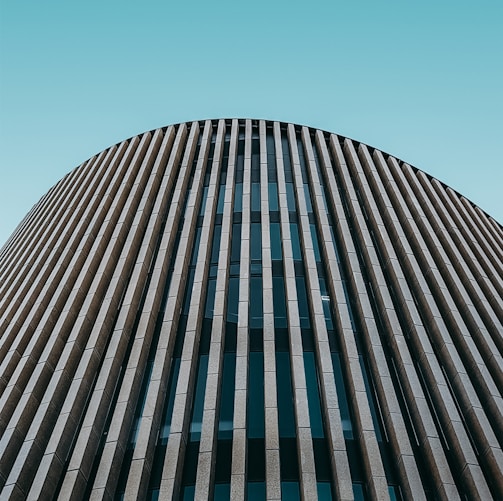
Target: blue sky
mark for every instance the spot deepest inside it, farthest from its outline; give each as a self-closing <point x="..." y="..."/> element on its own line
<point x="420" y="80"/>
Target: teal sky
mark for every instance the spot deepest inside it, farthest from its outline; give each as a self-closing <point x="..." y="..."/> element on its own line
<point x="420" y="80"/>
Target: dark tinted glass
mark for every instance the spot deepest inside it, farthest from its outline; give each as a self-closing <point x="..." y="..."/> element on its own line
<point x="227" y="397"/>
<point x="236" y="242"/>
<point x="286" y="415"/>
<point x="290" y="197"/>
<point x="215" y="248"/>
<point x="313" y="397"/>
<point x="256" y="491"/>
<point x="197" y="409"/>
<point x="255" y="197"/>
<point x="273" y="197"/>
<point x="290" y="491"/>
<point x="316" y="246"/>
<point x="222" y="492"/>
<point x="256" y="301"/>
<point x="276" y="252"/>
<point x="324" y="491"/>
<point x="347" y="426"/>
<point x="256" y="241"/>
<point x="279" y="300"/>
<point x="188" y="493"/>
<point x="302" y="302"/>
<point x="358" y="492"/>
<point x="166" y="423"/>
<point x="294" y="235"/>
<point x="256" y="395"/>
<point x="238" y="197"/>
<point x="233" y="300"/>
<point x="210" y="300"/>
<point x="221" y="199"/>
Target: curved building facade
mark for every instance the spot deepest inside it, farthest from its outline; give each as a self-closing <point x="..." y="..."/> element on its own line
<point x="245" y="309"/>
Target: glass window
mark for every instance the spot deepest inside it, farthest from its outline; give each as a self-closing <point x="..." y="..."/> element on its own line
<point x="188" y="493"/>
<point x="222" y="492"/>
<point x="371" y="399"/>
<point x="302" y="159"/>
<point x="165" y="425"/>
<point x="286" y="153"/>
<point x="256" y="491"/>
<point x="210" y="298"/>
<point x="215" y="247"/>
<point x="313" y="397"/>
<point x="188" y="290"/>
<point x="226" y="416"/>
<point x="290" y="197"/>
<point x="290" y="491"/>
<point x="221" y="199"/>
<point x="302" y="302"/>
<point x="203" y="201"/>
<point x="256" y="395"/>
<point x="347" y="426"/>
<point x="238" y="198"/>
<point x="198" y="406"/>
<point x="256" y="301"/>
<point x="233" y="300"/>
<point x="325" y="302"/>
<point x="236" y="243"/>
<point x="335" y="248"/>
<point x="276" y="252"/>
<point x="155" y="473"/>
<point x="307" y="196"/>
<point x="152" y="495"/>
<point x="394" y="493"/>
<point x="273" y="197"/>
<point x="213" y="270"/>
<point x="286" y="415"/>
<point x="255" y="452"/>
<point x="324" y="491"/>
<point x="256" y="268"/>
<point x="279" y="302"/>
<point x="294" y="233"/>
<point x="322" y="464"/>
<point x="348" y="304"/>
<point x="316" y="246"/>
<point x="255" y="197"/>
<point x="256" y="241"/>
<point x="325" y="296"/>
<point x="271" y="147"/>
<point x="141" y="403"/>
<point x="255" y="158"/>
<point x="195" y="247"/>
<point x="223" y="462"/>
<point x="358" y="492"/>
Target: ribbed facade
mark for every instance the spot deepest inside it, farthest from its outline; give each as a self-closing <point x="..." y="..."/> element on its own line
<point x="244" y="309"/>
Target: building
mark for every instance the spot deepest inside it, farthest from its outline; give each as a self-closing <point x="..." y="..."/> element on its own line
<point x="241" y="308"/>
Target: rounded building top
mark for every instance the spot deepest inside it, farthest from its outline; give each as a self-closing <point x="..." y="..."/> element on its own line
<point x="231" y="309"/>
<point x="312" y="131"/>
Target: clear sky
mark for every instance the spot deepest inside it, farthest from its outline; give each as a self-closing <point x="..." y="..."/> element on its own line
<point x="420" y="80"/>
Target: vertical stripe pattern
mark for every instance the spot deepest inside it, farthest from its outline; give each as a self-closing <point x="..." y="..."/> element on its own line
<point x="232" y="309"/>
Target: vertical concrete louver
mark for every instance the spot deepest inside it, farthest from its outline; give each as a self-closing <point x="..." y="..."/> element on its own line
<point x="245" y="309"/>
